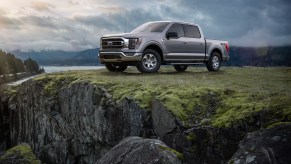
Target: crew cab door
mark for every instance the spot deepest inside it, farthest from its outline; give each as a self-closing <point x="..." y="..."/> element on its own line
<point x="189" y="46"/>
<point x="176" y="47"/>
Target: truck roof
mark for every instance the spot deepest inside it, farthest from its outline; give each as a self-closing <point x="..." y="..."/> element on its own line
<point x="178" y="22"/>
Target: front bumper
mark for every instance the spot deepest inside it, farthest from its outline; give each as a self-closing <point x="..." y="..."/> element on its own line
<point x="115" y="57"/>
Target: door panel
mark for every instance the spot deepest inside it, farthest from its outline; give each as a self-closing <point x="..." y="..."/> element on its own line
<point x="189" y="46"/>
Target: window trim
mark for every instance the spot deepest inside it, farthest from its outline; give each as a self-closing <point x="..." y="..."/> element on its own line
<point x="184" y="26"/>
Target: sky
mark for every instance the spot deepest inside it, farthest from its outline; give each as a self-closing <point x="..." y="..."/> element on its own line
<point x="75" y="25"/>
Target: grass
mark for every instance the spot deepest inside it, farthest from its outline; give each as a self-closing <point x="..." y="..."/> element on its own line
<point x="23" y="152"/>
<point x="232" y="95"/>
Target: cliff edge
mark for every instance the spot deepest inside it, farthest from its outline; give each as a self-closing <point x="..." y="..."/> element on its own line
<point x="79" y="116"/>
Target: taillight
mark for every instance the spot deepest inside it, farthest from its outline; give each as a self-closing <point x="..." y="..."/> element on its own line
<point x="227" y="47"/>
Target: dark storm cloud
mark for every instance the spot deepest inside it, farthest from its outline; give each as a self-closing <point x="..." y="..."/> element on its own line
<point x="41" y="21"/>
<point x="112" y="22"/>
<point x="233" y="19"/>
<point x="117" y="21"/>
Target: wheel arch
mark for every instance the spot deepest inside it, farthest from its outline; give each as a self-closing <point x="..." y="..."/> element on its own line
<point x="218" y="51"/>
<point x="155" y="46"/>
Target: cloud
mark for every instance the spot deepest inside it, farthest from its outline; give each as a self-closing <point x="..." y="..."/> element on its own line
<point x="41" y="6"/>
<point x="6" y="22"/>
<point x="78" y="25"/>
<point x="238" y="20"/>
<point x="2" y="11"/>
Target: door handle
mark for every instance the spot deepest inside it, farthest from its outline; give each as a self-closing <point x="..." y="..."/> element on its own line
<point x="185" y="42"/>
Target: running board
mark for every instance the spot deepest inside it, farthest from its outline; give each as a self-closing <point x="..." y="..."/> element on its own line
<point x="185" y="63"/>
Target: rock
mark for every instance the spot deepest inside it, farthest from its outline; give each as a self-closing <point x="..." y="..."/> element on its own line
<point x="135" y="150"/>
<point x="77" y="123"/>
<point x="272" y="145"/>
<point x="20" y="154"/>
<point x="163" y="120"/>
<point x="204" y="144"/>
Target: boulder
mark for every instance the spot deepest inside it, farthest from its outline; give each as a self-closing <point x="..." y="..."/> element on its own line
<point x="271" y="145"/>
<point x="134" y="150"/>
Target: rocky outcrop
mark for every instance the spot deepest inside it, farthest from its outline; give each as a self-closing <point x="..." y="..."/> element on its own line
<point x="163" y="121"/>
<point x="20" y="154"/>
<point x="76" y="124"/>
<point x="79" y="122"/>
<point x="204" y="144"/>
<point x="269" y="146"/>
<point x="134" y="150"/>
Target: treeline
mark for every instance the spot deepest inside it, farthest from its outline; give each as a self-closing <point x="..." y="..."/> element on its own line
<point x="9" y="64"/>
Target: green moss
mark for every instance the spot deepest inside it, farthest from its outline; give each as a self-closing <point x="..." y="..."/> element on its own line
<point x="241" y="107"/>
<point x="191" y="137"/>
<point x="278" y="124"/>
<point x="54" y="84"/>
<point x="178" y="154"/>
<point x="23" y="152"/>
<point x="222" y="99"/>
<point x="9" y="90"/>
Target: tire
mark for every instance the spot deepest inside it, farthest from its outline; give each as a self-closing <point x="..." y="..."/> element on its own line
<point x="214" y="62"/>
<point x="150" y="62"/>
<point x="180" y="68"/>
<point x="115" y="67"/>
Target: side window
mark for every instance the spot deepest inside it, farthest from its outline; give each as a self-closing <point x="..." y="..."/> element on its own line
<point x="192" y="31"/>
<point x="177" y="28"/>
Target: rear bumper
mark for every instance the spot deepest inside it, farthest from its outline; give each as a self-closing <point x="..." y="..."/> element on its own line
<point x="115" y="57"/>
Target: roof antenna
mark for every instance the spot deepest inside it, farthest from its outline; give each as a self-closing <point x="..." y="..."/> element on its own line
<point x="125" y="21"/>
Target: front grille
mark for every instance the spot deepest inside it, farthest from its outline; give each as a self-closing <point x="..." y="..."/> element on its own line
<point x="112" y="43"/>
<point x="113" y="56"/>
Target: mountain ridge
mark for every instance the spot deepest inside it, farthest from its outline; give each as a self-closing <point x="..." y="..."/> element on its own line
<point x="239" y="56"/>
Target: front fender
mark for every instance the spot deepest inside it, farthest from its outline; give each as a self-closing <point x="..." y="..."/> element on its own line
<point x="153" y="42"/>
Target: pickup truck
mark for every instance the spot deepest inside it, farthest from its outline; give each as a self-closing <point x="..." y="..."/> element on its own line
<point x="162" y="43"/>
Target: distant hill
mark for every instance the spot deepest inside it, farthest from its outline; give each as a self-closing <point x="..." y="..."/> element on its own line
<point x="239" y="56"/>
<point x="260" y="56"/>
<point x="87" y="57"/>
<point x="59" y="57"/>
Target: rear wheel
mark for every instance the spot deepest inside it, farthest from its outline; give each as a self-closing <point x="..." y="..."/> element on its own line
<point x="115" y="67"/>
<point x="180" y="68"/>
<point x="150" y="62"/>
<point x="214" y="63"/>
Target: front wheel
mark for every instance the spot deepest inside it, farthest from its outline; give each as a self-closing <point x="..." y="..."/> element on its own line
<point x="150" y="62"/>
<point x="180" y="68"/>
<point x="214" y="63"/>
<point x="115" y="67"/>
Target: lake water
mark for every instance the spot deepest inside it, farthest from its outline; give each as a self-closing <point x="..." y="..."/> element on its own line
<point x="51" y="69"/>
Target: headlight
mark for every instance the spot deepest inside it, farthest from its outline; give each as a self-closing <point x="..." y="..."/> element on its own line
<point x="133" y="43"/>
<point x="100" y="42"/>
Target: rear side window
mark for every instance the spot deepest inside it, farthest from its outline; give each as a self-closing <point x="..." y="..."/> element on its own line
<point x="192" y="31"/>
<point x="178" y="28"/>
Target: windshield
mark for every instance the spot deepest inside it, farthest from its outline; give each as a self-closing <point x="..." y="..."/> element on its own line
<point x="151" y="27"/>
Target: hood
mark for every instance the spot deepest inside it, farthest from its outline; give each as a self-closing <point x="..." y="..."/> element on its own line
<point x="133" y="35"/>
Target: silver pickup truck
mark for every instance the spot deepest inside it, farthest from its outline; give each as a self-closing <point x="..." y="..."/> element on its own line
<point x="160" y="43"/>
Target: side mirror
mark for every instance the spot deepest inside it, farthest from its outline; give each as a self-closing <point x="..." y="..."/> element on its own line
<point x="172" y="35"/>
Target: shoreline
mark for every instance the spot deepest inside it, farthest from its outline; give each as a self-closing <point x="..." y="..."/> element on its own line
<point x="9" y="79"/>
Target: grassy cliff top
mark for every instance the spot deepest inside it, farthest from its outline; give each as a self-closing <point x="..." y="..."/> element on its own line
<point x="224" y="98"/>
